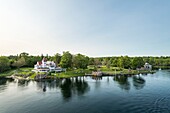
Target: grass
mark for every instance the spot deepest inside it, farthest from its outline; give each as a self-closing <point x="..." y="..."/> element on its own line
<point x="19" y="72"/>
<point x="26" y="72"/>
<point x="118" y="70"/>
<point x="7" y="73"/>
<point x="73" y="73"/>
<point x="104" y="69"/>
<point x="33" y="76"/>
<point x="127" y="72"/>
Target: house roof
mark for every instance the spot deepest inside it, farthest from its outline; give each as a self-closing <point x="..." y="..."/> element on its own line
<point x="146" y="63"/>
<point x="39" y="63"/>
<point x="44" y="59"/>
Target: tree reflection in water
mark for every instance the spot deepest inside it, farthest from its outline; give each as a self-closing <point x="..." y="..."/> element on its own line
<point x="97" y="83"/>
<point x="123" y="82"/>
<point x="51" y="84"/>
<point x="3" y="83"/>
<point x="138" y="82"/>
<point x="68" y="86"/>
<point x="81" y="86"/>
<point x="72" y="86"/>
<point x="23" y="83"/>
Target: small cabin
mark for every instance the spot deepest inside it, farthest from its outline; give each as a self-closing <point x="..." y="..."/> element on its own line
<point x="147" y="66"/>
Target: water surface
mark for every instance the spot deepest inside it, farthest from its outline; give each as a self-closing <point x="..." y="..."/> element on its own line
<point x="120" y="94"/>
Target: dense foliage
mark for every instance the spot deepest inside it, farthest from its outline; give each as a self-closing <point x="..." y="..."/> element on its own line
<point x="66" y="60"/>
<point x="4" y="64"/>
<point x="79" y="61"/>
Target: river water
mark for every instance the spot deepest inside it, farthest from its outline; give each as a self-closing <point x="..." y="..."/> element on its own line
<point x="120" y="94"/>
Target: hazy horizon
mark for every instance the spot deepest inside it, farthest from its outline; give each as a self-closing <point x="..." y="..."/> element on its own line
<point x="88" y="55"/>
<point x="96" y="28"/>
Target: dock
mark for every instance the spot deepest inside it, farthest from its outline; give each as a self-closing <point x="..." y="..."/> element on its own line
<point x="95" y="73"/>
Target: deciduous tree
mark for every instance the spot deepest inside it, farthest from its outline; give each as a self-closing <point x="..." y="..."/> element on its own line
<point x="66" y="60"/>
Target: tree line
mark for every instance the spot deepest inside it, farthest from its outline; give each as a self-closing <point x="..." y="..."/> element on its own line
<point x="68" y="60"/>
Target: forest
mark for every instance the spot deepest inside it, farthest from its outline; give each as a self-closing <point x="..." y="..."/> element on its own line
<point x="79" y="61"/>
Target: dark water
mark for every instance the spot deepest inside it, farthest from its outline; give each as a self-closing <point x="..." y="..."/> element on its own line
<point x="142" y="94"/>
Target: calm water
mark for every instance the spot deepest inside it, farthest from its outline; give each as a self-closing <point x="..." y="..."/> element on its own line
<point x="142" y="94"/>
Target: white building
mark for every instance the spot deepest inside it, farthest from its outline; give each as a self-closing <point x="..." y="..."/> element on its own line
<point x="46" y="66"/>
<point x="147" y="66"/>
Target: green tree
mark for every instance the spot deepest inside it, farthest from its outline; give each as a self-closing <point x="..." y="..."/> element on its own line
<point x="4" y="64"/>
<point x="137" y="62"/>
<point x="27" y="58"/>
<point x="42" y="56"/>
<point x="19" y="63"/>
<point x="114" y="61"/>
<point x="66" y="60"/>
<point x="32" y="60"/>
<point x="91" y="61"/>
<point x="124" y="62"/>
<point x="80" y="61"/>
<point x="23" y="54"/>
<point x="57" y="58"/>
<point x="104" y="61"/>
<point x="151" y="61"/>
<point x="127" y="61"/>
<point x="97" y="61"/>
<point x="108" y="64"/>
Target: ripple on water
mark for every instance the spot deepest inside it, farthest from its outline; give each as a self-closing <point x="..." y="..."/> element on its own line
<point x="160" y="105"/>
<point x="135" y="106"/>
<point x="90" y="96"/>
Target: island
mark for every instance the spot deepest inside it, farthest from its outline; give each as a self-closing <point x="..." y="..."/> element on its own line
<point x="28" y="67"/>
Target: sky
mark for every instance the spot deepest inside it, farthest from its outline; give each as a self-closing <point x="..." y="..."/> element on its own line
<point x="91" y="27"/>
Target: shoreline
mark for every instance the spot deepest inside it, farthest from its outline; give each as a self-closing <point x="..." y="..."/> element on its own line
<point x="77" y="75"/>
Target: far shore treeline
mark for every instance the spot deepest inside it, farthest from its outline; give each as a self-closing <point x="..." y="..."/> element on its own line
<point x="79" y="61"/>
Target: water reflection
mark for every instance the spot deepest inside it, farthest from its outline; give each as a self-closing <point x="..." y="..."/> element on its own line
<point x="123" y="82"/>
<point x="138" y="82"/>
<point x="66" y="88"/>
<point x="96" y="78"/>
<point x="76" y="86"/>
<point x="81" y="86"/>
<point x="3" y="83"/>
<point x="23" y="83"/>
<point x="42" y="85"/>
<point x="44" y="88"/>
<point x="78" y="97"/>
<point x="97" y="81"/>
<point x="69" y="86"/>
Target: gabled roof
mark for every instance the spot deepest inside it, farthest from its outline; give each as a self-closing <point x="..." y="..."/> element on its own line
<point x="39" y="63"/>
<point x="44" y="59"/>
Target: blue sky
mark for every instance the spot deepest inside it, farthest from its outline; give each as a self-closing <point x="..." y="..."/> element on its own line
<point x="91" y="27"/>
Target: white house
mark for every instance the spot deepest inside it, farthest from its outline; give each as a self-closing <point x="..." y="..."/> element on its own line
<point x="46" y="66"/>
<point x="147" y="66"/>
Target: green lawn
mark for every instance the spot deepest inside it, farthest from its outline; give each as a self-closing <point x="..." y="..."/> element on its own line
<point x="19" y="72"/>
<point x="73" y="73"/>
<point x="118" y="70"/>
<point x="27" y="72"/>
<point x="7" y="73"/>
